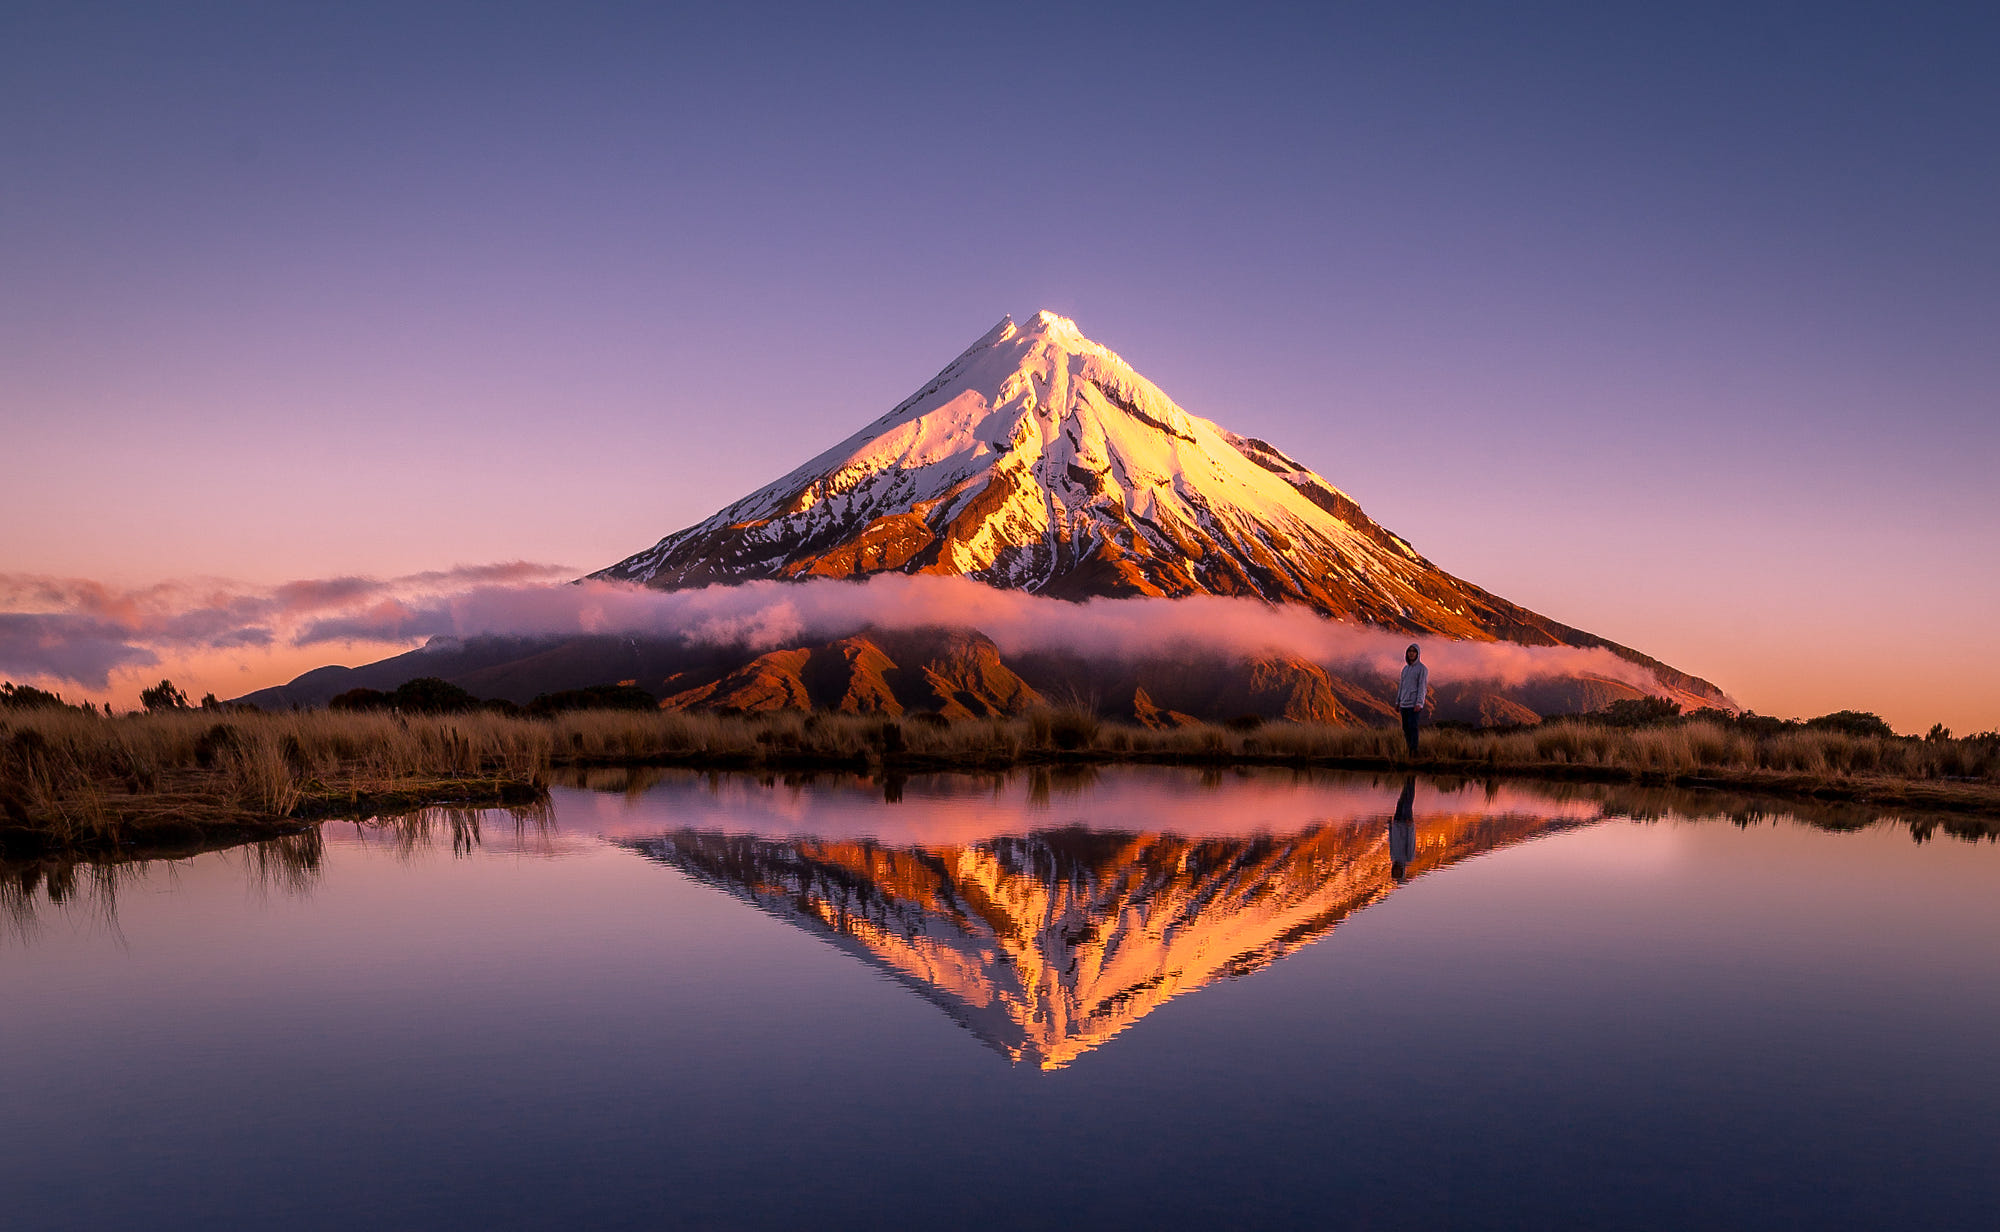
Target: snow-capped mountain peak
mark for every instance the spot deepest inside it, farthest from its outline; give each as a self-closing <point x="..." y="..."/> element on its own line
<point x="1040" y="460"/>
<point x="1034" y="454"/>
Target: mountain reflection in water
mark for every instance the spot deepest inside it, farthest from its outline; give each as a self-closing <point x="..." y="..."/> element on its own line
<point x="1048" y="944"/>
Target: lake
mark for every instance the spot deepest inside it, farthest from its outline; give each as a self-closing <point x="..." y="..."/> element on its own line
<point x="1127" y="998"/>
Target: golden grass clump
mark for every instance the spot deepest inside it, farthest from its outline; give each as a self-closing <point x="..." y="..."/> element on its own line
<point x="72" y="777"/>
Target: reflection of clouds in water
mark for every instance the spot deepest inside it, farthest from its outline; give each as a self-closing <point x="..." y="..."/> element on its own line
<point x="1622" y="848"/>
<point x="973" y="807"/>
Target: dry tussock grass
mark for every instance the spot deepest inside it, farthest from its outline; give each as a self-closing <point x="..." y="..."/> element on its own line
<point x="75" y="778"/>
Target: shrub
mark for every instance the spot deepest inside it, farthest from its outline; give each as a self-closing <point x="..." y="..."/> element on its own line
<point x="595" y="697"/>
<point x="1638" y="712"/>
<point x="163" y="697"/>
<point x="25" y="697"/>
<point x="424" y="695"/>
<point x="362" y="700"/>
<point x="1749" y="722"/>
<point x="431" y="695"/>
<point x="1852" y="723"/>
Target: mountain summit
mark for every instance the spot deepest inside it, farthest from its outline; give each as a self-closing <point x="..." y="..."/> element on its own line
<point x="1039" y="460"/>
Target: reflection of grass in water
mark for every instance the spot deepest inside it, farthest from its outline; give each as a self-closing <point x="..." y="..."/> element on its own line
<point x="31" y="890"/>
<point x="422" y="830"/>
<point x="1744" y="810"/>
<point x="290" y="865"/>
<point x="71" y="779"/>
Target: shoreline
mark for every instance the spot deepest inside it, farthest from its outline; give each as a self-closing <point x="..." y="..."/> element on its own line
<point x="165" y="839"/>
<point x="1974" y="797"/>
<point x="74" y="784"/>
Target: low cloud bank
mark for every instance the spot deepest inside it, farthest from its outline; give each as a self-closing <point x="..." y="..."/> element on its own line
<point x="83" y="632"/>
<point x="80" y="631"/>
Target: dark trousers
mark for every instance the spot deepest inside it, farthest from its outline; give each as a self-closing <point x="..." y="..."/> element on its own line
<point x="1410" y="714"/>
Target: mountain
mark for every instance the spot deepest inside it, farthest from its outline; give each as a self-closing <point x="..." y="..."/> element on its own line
<point x="1039" y="460"/>
<point x="1048" y="944"/>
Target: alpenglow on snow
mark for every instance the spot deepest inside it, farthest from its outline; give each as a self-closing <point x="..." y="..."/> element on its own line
<point x="1039" y="460"/>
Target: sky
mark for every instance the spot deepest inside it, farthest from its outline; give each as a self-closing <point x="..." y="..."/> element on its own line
<point x="1676" y="323"/>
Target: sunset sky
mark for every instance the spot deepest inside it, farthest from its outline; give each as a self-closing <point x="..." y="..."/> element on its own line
<point x="1679" y="324"/>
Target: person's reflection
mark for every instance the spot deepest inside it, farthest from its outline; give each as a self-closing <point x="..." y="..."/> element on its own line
<point x="1403" y="831"/>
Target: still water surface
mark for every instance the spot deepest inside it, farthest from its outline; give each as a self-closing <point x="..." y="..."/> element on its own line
<point x="1136" y="998"/>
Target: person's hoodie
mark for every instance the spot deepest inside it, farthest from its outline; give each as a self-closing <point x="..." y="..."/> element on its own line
<point x="1415" y="688"/>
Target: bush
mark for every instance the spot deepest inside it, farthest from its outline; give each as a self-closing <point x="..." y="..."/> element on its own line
<point x="424" y="695"/>
<point x="1638" y="712"/>
<point x="595" y="697"/>
<point x="1750" y="723"/>
<point x="1851" y="723"/>
<point x="163" y="697"/>
<point x="431" y="695"/>
<point x="26" y="697"/>
<point x="362" y="700"/>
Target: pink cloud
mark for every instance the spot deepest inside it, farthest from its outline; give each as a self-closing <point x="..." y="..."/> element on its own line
<point x="80" y="630"/>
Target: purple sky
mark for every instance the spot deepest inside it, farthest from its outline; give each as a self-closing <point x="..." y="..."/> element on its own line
<point x="1680" y="325"/>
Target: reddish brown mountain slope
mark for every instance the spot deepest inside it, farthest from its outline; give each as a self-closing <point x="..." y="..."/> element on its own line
<point x="953" y="672"/>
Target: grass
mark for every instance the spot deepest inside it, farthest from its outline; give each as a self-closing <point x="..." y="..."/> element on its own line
<point x="70" y="779"/>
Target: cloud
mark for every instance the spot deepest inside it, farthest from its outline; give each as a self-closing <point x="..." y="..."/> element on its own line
<point x="65" y="647"/>
<point x="83" y="631"/>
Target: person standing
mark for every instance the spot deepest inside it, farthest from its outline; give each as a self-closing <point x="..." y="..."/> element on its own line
<point x="1413" y="694"/>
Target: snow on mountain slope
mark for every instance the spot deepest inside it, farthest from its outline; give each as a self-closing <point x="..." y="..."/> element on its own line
<point x="1039" y="460"/>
